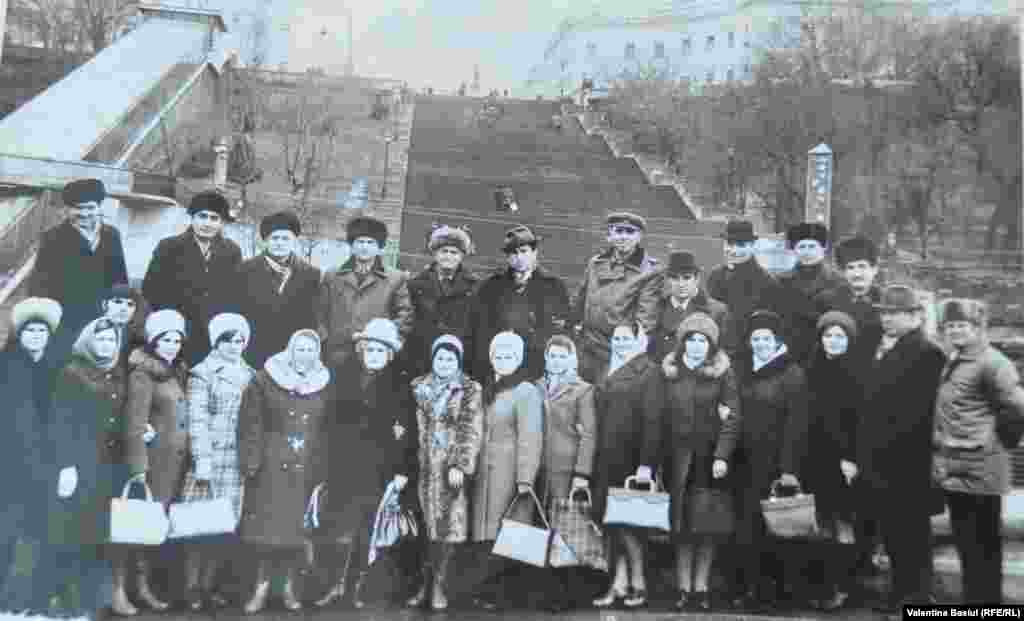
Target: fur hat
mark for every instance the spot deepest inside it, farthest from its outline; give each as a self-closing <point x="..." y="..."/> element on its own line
<point x="680" y="263"/>
<point x="383" y="331"/>
<point x="856" y="249"/>
<point x="508" y="341"/>
<point x="166" y="320"/>
<point x="211" y="200"/>
<point x="83" y="191"/>
<point x="698" y="322"/>
<point x="226" y="322"/>
<point x="838" y="318"/>
<point x="365" y="226"/>
<point x="807" y="230"/>
<point x="624" y="217"/>
<point x="899" y="298"/>
<point x="36" y="309"/>
<point x="519" y="236"/>
<point x="282" y="220"/>
<point x="443" y="235"/>
<point x="764" y="319"/>
<point x="963" y="309"/>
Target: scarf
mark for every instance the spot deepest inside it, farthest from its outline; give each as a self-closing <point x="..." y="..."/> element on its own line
<point x="92" y="238"/>
<point x="205" y="248"/>
<point x="758" y="365"/>
<point x="281" y="369"/>
<point x="83" y="347"/>
<point x="885" y="346"/>
<point x="283" y="270"/>
<point x="521" y="279"/>
<point x="438" y="392"/>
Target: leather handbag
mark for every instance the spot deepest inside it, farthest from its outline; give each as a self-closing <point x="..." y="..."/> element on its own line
<point x="790" y="517"/>
<point x="525" y="542"/>
<point x="628" y="506"/>
<point x="201" y="517"/>
<point x="710" y="512"/>
<point x="137" y="522"/>
<point x="572" y="520"/>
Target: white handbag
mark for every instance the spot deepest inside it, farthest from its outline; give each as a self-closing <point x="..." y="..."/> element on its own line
<point x="137" y="522"/>
<point x="628" y="506"/>
<point x="202" y="518"/>
<point x="527" y="543"/>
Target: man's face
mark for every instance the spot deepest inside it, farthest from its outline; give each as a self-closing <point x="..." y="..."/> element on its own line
<point x="85" y="215"/>
<point x="448" y="257"/>
<point x="961" y="333"/>
<point x="809" y="251"/>
<point x="207" y="224"/>
<point x="523" y="259"/>
<point x="896" y="323"/>
<point x="281" y="243"/>
<point x="557" y="360"/>
<point x="860" y="275"/>
<point x="365" y="248"/>
<point x="507" y="196"/>
<point x="624" y="238"/>
<point x="120" y="310"/>
<point x="737" y="252"/>
<point x="682" y="286"/>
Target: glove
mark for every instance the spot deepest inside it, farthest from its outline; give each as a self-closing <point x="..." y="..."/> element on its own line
<point x="644" y="474"/>
<point x="719" y="469"/>
<point x="67" y="481"/>
<point x="456" y="477"/>
<point x="724" y="411"/>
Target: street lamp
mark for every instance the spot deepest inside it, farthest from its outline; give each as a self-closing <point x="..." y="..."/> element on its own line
<point x="388" y="139"/>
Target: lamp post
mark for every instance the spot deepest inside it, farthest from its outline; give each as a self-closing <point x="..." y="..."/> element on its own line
<point x="388" y="139"/>
<point x="818" y="197"/>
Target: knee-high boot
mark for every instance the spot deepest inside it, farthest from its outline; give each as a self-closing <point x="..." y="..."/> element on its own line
<point x="142" y="572"/>
<point x="120" y="604"/>
<point x="337" y="591"/>
<point x="438" y="595"/>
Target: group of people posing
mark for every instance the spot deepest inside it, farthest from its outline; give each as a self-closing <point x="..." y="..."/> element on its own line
<point x="280" y="388"/>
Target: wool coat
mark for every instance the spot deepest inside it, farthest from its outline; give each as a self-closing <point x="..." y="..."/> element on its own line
<point x="869" y="322"/>
<point x="980" y="390"/>
<point x="438" y="310"/>
<point x="797" y="292"/>
<point x="629" y="406"/>
<point x="68" y="271"/>
<point x="570" y="434"/>
<point x="180" y="278"/>
<point x="87" y="432"/>
<point x="346" y="304"/>
<point x="693" y="432"/>
<point x="535" y="314"/>
<point x="663" y="340"/>
<point x="156" y="396"/>
<point x="453" y="440"/>
<point x="278" y="435"/>
<point x="214" y="400"/>
<point x="513" y="443"/>
<point x="364" y="449"/>
<point x="613" y="293"/>
<point x="743" y="289"/>
<point x="894" y="437"/>
<point x="773" y="437"/>
<point x="274" y="315"/>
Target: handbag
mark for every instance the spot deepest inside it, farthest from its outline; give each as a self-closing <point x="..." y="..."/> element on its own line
<point x="790" y="517"/>
<point x="137" y="522"/>
<point x="201" y="517"/>
<point x="393" y="524"/>
<point x="525" y="542"/>
<point x="572" y="520"/>
<point x="628" y="506"/>
<point x="710" y="512"/>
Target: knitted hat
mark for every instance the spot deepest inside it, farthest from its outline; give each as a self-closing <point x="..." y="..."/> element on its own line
<point x="443" y="235"/>
<point x="698" y="322"/>
<point x="383" y="331"/>
<point x="963" y="309"/>
<point x="841" y="319"/>
<point x="807" y="230"/>
<point x="166" y="320"/>
<point x="856" y="249"/>
<point x="227" y="322"/>
<point x="365" y="226"/>
<point x="282" y="220"/>
<point x="764" y="319"/>
<point x="625" y="217"/>
<point x="508" y="341"/>
<point x="211" y="200"/>
<point x="83" y="191"/>
<point x="449" y="342"/>
<point x="36" y="309"/>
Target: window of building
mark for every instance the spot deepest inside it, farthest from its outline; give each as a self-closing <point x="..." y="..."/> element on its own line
<point x="631" y="50"/>
<point x="710" y="45"/>
<point x="732" y="40"/>
<point x="687" y="46"/>
<point x="659" y="49"/>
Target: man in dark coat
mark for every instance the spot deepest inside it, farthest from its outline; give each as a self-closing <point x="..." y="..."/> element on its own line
<point x="894" y="443"/>
<point x="810" y="277"/>
<point x="857" y="259"/>
<point x="276" y="291"/>
<point x="191" y="272"/>
<point x="523" y="298"/>
<point x="78" y="260"/>
<point x="682" y="296"/>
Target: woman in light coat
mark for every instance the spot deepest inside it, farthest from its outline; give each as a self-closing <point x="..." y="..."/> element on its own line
<point x="279" y="427"/>
<point x="701" y="430"/>
<point x="215" y="388"/>
<point x="156" y="437"/>
<point x="450" y="420"/>
<point x="509" y="460"/>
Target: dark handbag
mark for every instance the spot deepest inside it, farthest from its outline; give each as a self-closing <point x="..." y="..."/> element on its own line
<point x="710" y="512"/>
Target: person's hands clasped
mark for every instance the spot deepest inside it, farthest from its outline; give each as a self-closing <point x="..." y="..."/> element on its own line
<point x="456" y="478"/>
<point x="719" y="469"/>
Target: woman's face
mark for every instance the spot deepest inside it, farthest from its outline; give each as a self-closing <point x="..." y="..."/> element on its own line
<point x="505" y="362"/>
<point x="233" y="347"/>
<point x="168" y="346"/>
<point x="120" y="310"/>
<point x="34" y="337"/>
<point x="446" y="364"/>
<point x="376" y="355"/>
<point x="835" y="341"/>
<point x="557" y="360"/>
<point x="104" y="344"/>
<point x="448" y="257"/>
<point x="623" y="341"/>
<point x="764" y="343"/>
<point x="697" y="346"/>
<point x="305" y="352"/>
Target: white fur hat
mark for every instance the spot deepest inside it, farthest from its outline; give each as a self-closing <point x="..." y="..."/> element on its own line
<point x="42" y="309"/>
<point x="508" y="341"/>
<point x="166" y="320"/>
<point x="225" y="322"/>
<point x="383" y="331"/>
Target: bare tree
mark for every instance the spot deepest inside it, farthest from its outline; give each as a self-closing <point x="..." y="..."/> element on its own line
<point x="101" y="20"/>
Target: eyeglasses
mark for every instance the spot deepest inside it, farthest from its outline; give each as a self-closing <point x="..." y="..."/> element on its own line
<point x="624" y="229"/>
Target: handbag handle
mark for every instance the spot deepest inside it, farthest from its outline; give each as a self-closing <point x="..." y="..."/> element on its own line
<point x="774" y="495"/>
<point x="128" y="487"/>
<point x="581" y="490"/>
<point x="536" y="501"/>
<point x="314" y="505"/>
<point x="632" y="479"/>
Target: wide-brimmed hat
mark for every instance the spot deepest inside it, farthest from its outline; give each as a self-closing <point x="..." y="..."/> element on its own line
<point x="898" y="298"/>
<point x="365" y="226"/>
<point x="680" y="263"/>
<point x="83" y="191"/>
<point x="36" y="309"/>
<point x="519" y="236"/>
<point x="211" y="200"/>
<point x="856" y="249"/>
<point x="625" y="217"/>
<point x="282" y="220"/>
<point x="807" y="230"/>
<point x="739" y="231"/>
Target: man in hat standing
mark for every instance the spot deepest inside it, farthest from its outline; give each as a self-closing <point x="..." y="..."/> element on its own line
<point x="857" y="295"/>
<point x="621" y="285"/>
<point x="360" y="290"/>
<point x="894" y="443"/>
<point x="682" y="295"/>
<point x="810" y="277"/>
<point x="191" y="272"/>
<point x="78" y="260"/>
<point x="276" y="291"/>
<point x="523" y="298"/>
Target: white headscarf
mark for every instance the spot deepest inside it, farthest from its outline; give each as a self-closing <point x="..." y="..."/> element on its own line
<point x="281" y="367"/>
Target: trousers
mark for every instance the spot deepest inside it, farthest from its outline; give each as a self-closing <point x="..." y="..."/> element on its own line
<point x="977" y="522"/>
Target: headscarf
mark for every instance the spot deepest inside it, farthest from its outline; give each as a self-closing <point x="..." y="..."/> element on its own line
<point x="554" y="382"/>
<point x="509" y="341"/>
<point x="439" y="390"/>
<point x="83" y="344"/>
<point x="281" y="367"/>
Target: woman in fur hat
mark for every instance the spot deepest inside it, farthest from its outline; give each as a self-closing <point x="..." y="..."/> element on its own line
<point x="27" y="371"/>
<point x="450" y="420"/>
<point x="279" y="427"/>
<point x="156" y="439"/>
<point x="702" y="426"/>
<point x="215" y="388"/>
<point x="371" y="443"/>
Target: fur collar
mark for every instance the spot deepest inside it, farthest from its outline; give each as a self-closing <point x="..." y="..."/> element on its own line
<point x="141" y="360"/>
<point x="715" y="370"/>
<point x="281" y="372"/>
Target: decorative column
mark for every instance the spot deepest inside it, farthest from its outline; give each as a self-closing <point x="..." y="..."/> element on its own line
<point x="220" y="163"/>
<point x="818" y="197"/>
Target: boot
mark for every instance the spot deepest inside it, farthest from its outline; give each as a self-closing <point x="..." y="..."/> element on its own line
<point x="121" y="605"/>
<point x="438" y="598"/>
<point x="357" y="591"/>
<point x="291" y="602"/>
<point x="209" y="589"/>
<point x="193" y="590"/>
<point x="337" y="592"/>
<point x="144" y="592"/>
<point x="426" y="571"/>
<point x="258" y="601"/>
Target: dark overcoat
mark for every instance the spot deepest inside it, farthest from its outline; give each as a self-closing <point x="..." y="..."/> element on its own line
<point x="274" y="315"/>
<point x="629" y="411"/>
<point x="773" y="400"/>
<point x="797" y="292"/>
<point x="179" y="277"/>
<point x="68" y="271"/>
<point x="437" y="310"/>
<point x="532" y="314"/>
<point x="869" y="323"/>
<point x="743" y="289"/>
<point x="663" y="341"/>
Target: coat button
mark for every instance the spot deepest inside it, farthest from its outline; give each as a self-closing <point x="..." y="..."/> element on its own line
<point x="113" y="395"/>
<point x="284" y="467"/>
<point x="111" y="443"/>
<point x="111" y="420"/>
<point x="291" y="413"/>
